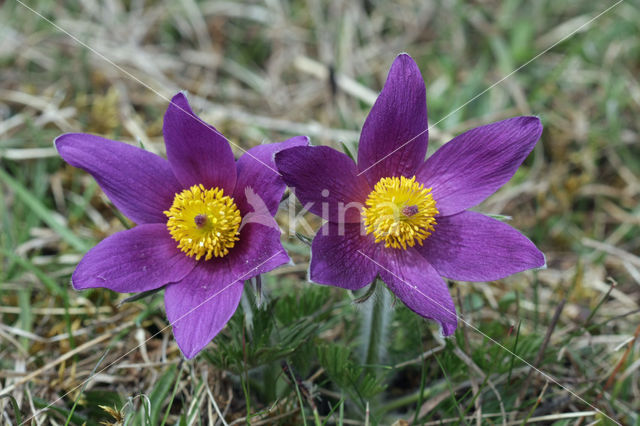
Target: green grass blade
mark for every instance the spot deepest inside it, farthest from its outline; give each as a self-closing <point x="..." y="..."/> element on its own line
<point x="43" y="213"/>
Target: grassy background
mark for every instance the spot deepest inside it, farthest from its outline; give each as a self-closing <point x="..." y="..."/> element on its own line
<point x="269" y="70"/>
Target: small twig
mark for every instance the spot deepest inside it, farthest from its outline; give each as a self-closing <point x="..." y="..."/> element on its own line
<point x="215" y="405"/>
<point x="538" y="401"/>
<point x="549" y="417"/>
<point x="366" y="415"/>
<point x="604" y="298"/>
<point x="620" y="363"/>
<point x="422" y="357"/>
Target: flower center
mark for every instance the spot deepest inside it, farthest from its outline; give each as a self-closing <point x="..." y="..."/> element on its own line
<point x="399" y="211"/>
<point x="204" y="222"/>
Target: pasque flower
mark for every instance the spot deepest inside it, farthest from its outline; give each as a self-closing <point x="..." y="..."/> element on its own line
<point x="404" y="219"/>
<point x="204" y="220"/>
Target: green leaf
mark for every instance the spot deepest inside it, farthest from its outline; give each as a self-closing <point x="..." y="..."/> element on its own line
<point x="74" y="418"/>
<point x="157" y="397"/>
<point x="16" y="409"/>
<point x="360" y="383"/>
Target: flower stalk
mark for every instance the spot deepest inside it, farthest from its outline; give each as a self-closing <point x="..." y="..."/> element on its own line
<point x="375" y="324"/>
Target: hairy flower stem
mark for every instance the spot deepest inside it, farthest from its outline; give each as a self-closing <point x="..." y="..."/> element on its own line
<point x="376" y="319"/>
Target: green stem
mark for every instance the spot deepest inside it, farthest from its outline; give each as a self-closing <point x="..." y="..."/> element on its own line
<point x="376" y="321"/>
<point x="316" y="417"/>
<point x="405" y="400"/>
<point x="245" y="388"/>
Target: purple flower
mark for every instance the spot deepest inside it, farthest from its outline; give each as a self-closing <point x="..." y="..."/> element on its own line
<point x="204" y="221"/>
<point x="405" y="219"/>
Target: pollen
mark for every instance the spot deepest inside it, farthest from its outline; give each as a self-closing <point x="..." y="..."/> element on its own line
<point x="204" y="222"/>
<point x="400" y="212"/>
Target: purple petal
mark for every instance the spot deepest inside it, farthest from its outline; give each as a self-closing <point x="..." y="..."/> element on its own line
<point x="198" y="153"/>
<point x="257" y="171"/>
<point x="258" y="251"/>
<point x="473" y="165"/>
<point x="139" y="259"/>
<point x="411" y="278"/>
<point x="139" y="183"/>
<point x="340" y="256"/>
<point x="395" y="135"/>
<point x="200" y="305"/>
<point x="325" y="181"/>
<point x="470" y="246"/>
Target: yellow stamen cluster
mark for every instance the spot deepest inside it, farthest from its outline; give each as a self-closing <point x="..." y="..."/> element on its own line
<point x="400" y="211"/>
<point x="204" y="222"/>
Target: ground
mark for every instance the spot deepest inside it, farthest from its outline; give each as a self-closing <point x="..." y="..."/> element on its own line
<point x="555" y="346"/>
